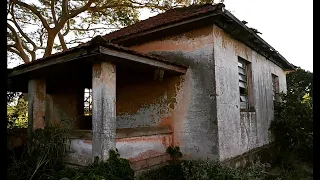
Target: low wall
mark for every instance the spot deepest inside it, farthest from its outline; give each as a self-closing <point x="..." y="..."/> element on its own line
<point x="264" y="154"/>
<point x="143" y="147"/>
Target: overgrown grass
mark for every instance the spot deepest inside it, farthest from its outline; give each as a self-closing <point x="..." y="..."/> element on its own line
<point x="43" y="155"/>
<point x="206" y="170"/>
<point x="115" y="168"/>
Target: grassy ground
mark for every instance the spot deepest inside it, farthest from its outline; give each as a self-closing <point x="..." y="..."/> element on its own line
<point x="299" y="171"/>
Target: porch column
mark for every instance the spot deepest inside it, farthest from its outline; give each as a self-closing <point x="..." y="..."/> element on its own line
<point x="36" y="104"/>
<point x="103" y="109"/>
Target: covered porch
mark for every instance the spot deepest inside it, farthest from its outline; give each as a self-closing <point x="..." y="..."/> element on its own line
<point x="109" y="96"/>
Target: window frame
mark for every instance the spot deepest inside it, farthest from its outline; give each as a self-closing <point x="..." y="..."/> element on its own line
<point x="87" y="99"/>
<point x="275" y="87"/>
<point x="245" y="84"/>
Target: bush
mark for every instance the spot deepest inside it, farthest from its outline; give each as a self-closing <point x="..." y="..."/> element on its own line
<point x="43" y="155"/>
<point x="293" y="124"/>
<point x="205" y="170"/>
<point x="172" y="171"/>
<point x="115" y="168"/>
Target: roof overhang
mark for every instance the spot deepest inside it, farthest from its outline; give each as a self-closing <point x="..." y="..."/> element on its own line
<point x="97" y="50"/>
<point x="223" y="19"/>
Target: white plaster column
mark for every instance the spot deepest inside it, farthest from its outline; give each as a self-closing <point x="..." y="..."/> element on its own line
<point x="103" y="109"/>
<point x="36" y="104"/>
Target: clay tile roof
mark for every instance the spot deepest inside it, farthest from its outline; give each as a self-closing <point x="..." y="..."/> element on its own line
<point x="170" y="16"/>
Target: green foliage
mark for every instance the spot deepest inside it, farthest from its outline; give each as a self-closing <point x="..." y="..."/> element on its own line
<point x="17" y="109"/>
<point x="293" y="124"/>
<point x="205" y="170"/>
<point x="115" y="168"/>
<point x="300" y="83"/>
<point x="172" y="171"/>
<point x="42" y="155"/>
<point x="174" y="152"/>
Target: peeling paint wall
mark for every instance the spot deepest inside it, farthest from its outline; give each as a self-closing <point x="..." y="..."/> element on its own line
<point x="194" y="115"/>
<point x="240" y="132"/>
<point x="144" y="102"/>
<point x="137" y="150"/>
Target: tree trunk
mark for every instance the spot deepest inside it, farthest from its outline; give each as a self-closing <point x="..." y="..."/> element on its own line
<point x="51" y="37"/>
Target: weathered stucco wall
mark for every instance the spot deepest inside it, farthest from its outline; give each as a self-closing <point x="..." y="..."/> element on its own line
<point x="240" y="132"/>
<point x="145" y="150"/>
<point x="194" y="116"/>
<point x="144" y="102"/>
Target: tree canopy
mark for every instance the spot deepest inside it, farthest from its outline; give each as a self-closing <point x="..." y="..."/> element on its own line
<point x="36" y="28"/>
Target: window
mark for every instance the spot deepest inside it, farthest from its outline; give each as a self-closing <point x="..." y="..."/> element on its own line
<point x="87" y="102"/>
<point x="275" y="87"/>
<point x="244" y="83"/>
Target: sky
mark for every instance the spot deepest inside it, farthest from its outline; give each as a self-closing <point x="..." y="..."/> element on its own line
<point x="287" y="25"/>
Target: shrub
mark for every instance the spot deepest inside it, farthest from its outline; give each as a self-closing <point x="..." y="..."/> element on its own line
<point x="115" y="168"/>
<point x="205" y="170"/>
<point x="43" y="155"/>
<point x="292" y="126"/>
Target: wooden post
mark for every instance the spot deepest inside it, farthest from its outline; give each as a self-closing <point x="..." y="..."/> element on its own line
<point x="103" y="109"/>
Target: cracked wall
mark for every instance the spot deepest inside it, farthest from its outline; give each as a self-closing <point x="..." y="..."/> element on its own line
<point x="194" y="115"/>
<point x="240" y="132"/>
<point x="143" y="101"/>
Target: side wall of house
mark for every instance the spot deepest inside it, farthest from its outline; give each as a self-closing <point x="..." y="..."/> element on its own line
<point x="194" y="116"/>
<point x="242" y="131"/>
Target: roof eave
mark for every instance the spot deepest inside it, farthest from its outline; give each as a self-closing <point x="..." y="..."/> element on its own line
<point x="273" y="56"/>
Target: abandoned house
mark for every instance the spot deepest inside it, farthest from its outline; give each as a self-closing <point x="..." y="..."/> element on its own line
<point x="194" y="77"/>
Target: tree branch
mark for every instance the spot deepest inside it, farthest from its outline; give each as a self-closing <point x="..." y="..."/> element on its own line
<point x="138" y="6"/>
<point x="32" y="53"/>
<point x="40" y="39"/>
<point x="62" y="41"/>
<point x="9" y="48"/>
<point x="68" y="28"/>
<point x="35" y="11"/>
<point x="53" y="12"/>
<point x="21" y="31"/>
<point x="64" y="11"/>
<point x="90" y="29"/>
<point x="74" y="13"/>
<point x="18" y="44"/>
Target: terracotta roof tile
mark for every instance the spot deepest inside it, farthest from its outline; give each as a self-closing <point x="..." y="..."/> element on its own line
<point x="170" y="16"/>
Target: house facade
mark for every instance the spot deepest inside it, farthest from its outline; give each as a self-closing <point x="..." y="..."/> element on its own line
<point x="194" y="77"/>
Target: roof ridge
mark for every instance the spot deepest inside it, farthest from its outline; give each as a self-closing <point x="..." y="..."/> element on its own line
<point x="169" y="16"/>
